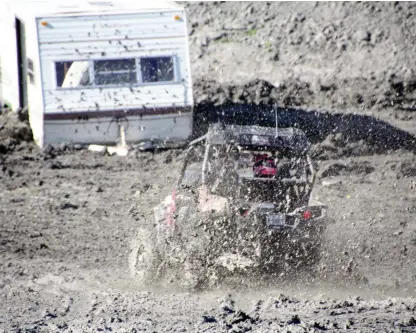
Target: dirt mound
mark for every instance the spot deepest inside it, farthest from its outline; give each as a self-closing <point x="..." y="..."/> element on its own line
<point x="334" y="134"/>
<point x="14" y="129"/>
<point x="355" y="168"/>
<point x="253" y="92"/>
<point x="324" y="55"/>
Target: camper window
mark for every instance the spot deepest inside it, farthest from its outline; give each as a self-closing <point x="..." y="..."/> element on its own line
<point x="157" y="69"/>
<point x="30" y="71"/>
<point x="72" y="74"/>
<point x="114" y="72"/>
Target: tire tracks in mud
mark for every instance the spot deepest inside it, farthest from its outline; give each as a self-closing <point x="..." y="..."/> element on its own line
<point x="84" y="264"/>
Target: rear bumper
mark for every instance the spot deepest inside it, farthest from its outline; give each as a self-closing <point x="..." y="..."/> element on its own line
<point x="296" y="222"/>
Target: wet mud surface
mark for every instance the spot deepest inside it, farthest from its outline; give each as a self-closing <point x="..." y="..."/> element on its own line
<point x="67" y="217"/>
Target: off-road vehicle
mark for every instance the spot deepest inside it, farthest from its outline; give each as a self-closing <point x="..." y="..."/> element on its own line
<point x="226" y="217"/>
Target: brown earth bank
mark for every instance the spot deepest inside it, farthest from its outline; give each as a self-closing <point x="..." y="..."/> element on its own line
<point x="322" y="55"/>
<point x="337" y="66"/>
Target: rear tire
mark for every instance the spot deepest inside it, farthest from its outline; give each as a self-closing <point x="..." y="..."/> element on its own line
<point x="144" y="260"/>
<point x="192" y="242"/>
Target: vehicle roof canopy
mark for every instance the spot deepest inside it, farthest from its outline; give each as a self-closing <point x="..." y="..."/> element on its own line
<point x="258" y="138"/>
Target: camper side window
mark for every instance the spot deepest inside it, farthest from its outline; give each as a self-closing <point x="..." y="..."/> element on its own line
<point x="115" y="72"/>
<point x="72" y="74"/>
<point x="157" y="69"/>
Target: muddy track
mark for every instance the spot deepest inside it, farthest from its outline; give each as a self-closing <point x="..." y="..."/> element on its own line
<point x="67" y="217"/>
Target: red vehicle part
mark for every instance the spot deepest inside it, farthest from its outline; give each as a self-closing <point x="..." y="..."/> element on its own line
<point x="265" y="167"/>
<point x="258" y="158"/>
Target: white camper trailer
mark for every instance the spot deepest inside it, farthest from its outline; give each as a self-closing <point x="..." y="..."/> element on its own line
<point x="84" y="67"/>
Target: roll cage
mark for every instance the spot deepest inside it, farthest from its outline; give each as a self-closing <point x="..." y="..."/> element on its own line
<point x="223" y="143"/>
<point x="289" y="142"/>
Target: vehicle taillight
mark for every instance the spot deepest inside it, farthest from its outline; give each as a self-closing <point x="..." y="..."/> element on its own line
<point x="307" y="214"/>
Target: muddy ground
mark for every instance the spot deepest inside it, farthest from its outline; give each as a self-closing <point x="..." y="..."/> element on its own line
<point x="67" y="215"/>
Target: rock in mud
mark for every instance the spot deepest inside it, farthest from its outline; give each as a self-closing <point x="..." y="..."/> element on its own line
<point x="295" y="320"/>
<point x="208" y="319"/>
<point x="68" y="205"/>
<point x="227" y="306"/>
<point x="239" y="317"/>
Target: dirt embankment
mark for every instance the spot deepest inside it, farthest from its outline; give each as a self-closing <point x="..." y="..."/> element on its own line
<point x="323" y="55"/>
<point x="14" y="129"/>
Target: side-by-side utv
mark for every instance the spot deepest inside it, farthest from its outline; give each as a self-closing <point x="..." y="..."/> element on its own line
<point x="242" y="204"/>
